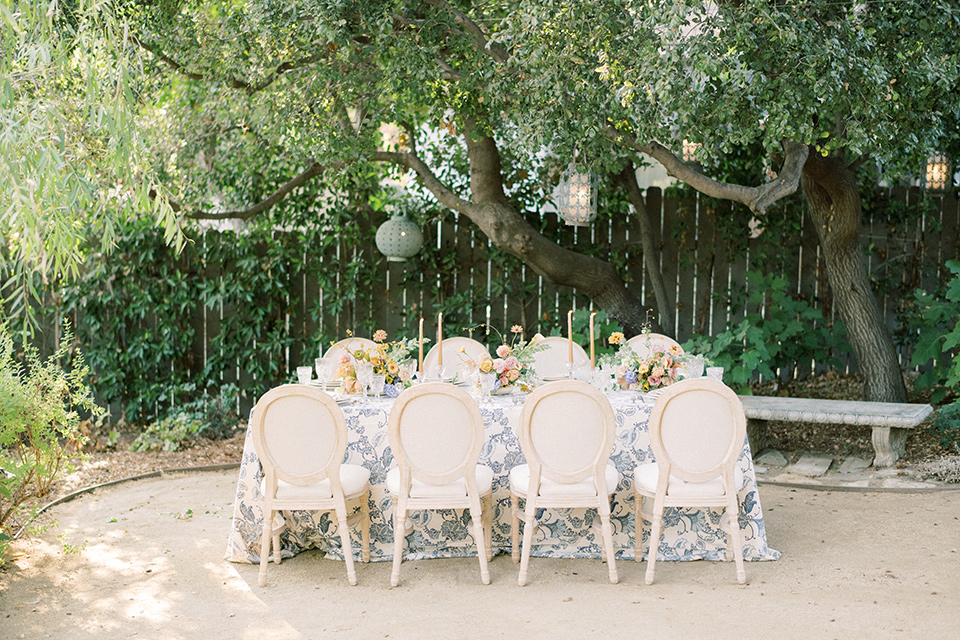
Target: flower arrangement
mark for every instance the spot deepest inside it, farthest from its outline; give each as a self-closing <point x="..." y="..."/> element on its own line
<point x="514" y="362"/>
<point x="387" y="358"/>
<point x="661" y="368"/>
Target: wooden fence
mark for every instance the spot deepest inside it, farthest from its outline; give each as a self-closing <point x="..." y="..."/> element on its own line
<point x="475" y="286"/>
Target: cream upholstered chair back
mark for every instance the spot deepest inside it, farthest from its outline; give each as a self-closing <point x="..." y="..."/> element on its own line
<point x="647" y="343"/>
<point x="697" y="430"/>
<point x="567" y="430"/>
<point x="473" y="349"/>
<point x="436" y="433"/>
<point x="348" y="345"/>
<point x="552" y="361"/>
<point x="299" y="434"/>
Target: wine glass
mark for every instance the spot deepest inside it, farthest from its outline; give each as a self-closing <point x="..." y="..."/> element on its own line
<point x="377" y="380"/>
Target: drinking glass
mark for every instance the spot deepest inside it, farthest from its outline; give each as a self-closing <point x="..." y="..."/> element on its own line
<point x="320" y="364"/>
<point x="364" y="376"/>
<point x="303" y="375"/>
<point x="377" y="380"/>
<point x="715" y="373"/>
<point x="695" y="367"/>
<point x="487" y="382"/>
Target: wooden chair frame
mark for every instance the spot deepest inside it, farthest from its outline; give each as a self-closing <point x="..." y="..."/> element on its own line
<point x="328" y="462"/>
<point x="479" y="505"/>
<point x="667" y="466"/>
<point x="592" y="399"/>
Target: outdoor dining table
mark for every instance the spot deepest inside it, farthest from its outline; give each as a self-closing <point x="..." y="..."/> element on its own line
<point x="689" y="534"/>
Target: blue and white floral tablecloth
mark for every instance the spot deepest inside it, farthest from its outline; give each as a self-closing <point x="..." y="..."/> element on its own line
<point x="689" y="534"/>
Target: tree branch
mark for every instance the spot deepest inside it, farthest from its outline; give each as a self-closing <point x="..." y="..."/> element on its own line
<point x="428" y="179"/>
<point x="497" y="51"/>
<point x="236" y="83"/>
<point x="758" y="199"/>
<point x="309" y="173"/>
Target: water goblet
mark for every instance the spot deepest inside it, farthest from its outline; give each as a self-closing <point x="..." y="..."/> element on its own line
<point x="377" y="381"/>
<point x="364" y="376"/>
<point x="303" y="375"/>
<point x="320" y="364"/>
<point x="487" y="381"/>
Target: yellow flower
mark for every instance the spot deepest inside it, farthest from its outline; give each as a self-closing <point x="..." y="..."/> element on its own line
<point x="615" y="338"/>
<point x="643" y="368"/>
<point x="486" y="365"/>
<point x="392" y="368"/>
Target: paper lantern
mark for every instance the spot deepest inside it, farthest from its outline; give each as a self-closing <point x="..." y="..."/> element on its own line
<point x="398" y="238"/>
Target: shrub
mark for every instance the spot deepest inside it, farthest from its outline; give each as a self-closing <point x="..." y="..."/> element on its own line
<point x="935" y="321"/>
<point x="778" y="333"/>
<point x="39" y="423"/>
<point x="207" y="416"/>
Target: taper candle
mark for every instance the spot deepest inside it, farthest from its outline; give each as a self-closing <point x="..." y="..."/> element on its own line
<point x="570" y="336"/>
<point x="593" y="355"/>
<point x="440" y="339"/>
<point x="420" y="368"/>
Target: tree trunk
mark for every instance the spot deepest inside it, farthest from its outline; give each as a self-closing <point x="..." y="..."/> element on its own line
<point x="831" y="191"/>
<point x="651" y="266"/>
<point x="490" y="210"/>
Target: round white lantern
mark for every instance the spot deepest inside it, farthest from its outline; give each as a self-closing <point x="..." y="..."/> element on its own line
<point x="577" y="197"/>
<point x="398" y="238"/>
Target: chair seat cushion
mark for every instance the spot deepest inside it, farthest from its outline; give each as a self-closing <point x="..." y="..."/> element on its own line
<point x="458" y="488"/>
<point x="520" y="481"/>
<point x="645" y="477"/>
<point x="353" y="479"/>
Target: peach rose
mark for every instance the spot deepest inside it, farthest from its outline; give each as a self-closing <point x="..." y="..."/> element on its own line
<point x="503" y="351"/>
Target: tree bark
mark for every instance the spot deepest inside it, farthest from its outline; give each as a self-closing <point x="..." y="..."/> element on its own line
<point x="651" y="266"/>
<point x="831" y="191"/>
<point x="490" y="209"/>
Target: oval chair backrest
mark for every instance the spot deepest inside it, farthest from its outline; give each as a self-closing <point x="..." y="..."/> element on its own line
<point x="698" y="428"/>
<point x="348" y="346"/>
<point x="552" y="361"/>
<point x="567" y="430"/>
<point x="474" y="350"/>
<point x="299" y="434"/>
<point x="646" y="344"/>
<point x="436" y="432"/>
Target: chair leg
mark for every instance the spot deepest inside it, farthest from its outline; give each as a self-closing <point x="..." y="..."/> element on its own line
<point x="365" y="525"/>
<point x="528" y="518"/>
<point x="265" y="538"/>
<point x="488" y="525"/>
<point x="347" y="548"/>
<point x="654" y="545"/>
<point x="733" y="511"/>
<point x="514" y="528"/>
<point x="399" y="522"/>
<point x="608" y="545"/>
<point x="277" y="558"/>
<point x="637" y="526"/>
<point x="480" y="535"/>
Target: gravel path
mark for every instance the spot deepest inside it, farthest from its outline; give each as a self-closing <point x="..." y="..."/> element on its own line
<point x="854" y="565"/>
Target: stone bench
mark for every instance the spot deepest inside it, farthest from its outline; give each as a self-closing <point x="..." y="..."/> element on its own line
<point x="890" y="420"/>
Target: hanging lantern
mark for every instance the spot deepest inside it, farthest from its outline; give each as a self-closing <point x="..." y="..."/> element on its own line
<point x="938" y="170"/>
<point x="398" y="238"/>
<point x="577" y="197"/>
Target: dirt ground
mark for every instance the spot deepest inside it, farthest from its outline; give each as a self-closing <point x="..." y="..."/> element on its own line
<point x="854" y="565"/>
